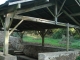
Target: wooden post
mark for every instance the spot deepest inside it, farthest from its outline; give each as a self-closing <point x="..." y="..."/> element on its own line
<point x="68" y="37"/>
<point x="6" y="41"/>
<point x="56" y="12"/>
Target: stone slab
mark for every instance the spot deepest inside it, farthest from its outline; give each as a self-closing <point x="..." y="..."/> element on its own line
<point x="8" y="57"/>
<point x="70" y="55"/>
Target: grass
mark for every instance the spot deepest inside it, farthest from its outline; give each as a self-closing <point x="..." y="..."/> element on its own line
<point x="31" y="39"/>
<point x="1" y="48"/>
<point x="51" y="41"/>
<point x="76" y="44"/>
<point x="47" y="40"/>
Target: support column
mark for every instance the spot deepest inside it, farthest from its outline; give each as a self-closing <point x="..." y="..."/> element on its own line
<point x="6" y="41"/>
<point x="56" y="12"/>
<point x="7" y="25"/>
<point x="68" y="37"/>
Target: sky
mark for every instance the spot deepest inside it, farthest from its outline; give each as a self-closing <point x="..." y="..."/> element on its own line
<point x="2" y="1"/>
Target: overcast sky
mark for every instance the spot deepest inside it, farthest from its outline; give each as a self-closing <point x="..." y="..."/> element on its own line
<point x="2" y="1"/>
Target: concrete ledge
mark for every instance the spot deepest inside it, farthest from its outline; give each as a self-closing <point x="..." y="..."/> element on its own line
<point x="8" y="57"/>
<point x="70" y="55"/>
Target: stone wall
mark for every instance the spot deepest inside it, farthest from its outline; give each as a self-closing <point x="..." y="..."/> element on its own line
<point x="14" y="42"/>
<point x="32" y="50"/>
<point x="70" y="55"/>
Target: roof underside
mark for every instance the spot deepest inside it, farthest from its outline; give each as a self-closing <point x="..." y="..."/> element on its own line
<point x="70" y="6"/>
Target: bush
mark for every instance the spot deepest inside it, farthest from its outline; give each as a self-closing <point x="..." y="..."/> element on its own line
<point x="78" y="58"/>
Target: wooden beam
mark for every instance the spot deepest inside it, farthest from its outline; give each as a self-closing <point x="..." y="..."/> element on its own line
<point x="16" y="26"/>
<point x="27" y="18"/>
<point x="50" y="12"/>
<point x="65" y="12"/>
<point x="12" y="16"/>
<point x="76" y="14"/>
<point x="22" y="1"/>
<point x="61" y="6"/>
<point x="78" y="2"/>
<point x="71" y="17"/>
<point x="34" y="8"/>
<point x="19" y="2"/>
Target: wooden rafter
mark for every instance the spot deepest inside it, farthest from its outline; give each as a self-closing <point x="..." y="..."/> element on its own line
<point x="34" y="8"/>
<point x="40" y="20"/>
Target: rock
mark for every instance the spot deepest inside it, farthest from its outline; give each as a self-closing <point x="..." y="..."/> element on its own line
<point x="14" y="42"/>
<point x="32" y="51"/>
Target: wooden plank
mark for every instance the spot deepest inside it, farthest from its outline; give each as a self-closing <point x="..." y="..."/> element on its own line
<point x="16" y="26"/>
<point x="34" y="8"/>
<point x="74" y="20"/>
<point x="19" y="2"/>
<point x="40" y="20"/>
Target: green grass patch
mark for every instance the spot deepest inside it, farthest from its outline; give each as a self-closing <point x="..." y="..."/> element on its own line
<point x="52" y="41"/>
<point x="47" y="40"/>
<point x="75" y="44"/>
<point x="1" y="48"/>
<point x="31" y="39"/>
<point x="55" y="42"/>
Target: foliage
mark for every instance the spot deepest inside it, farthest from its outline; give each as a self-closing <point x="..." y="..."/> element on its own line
<point x="15" y="34"/>
<point x="53" y="37"/>
<point x="78" y="58"/>
<point x="57" y="33"/>
<point x="75" y="33"/>
<point x="76" y="36"/>
<point x="54" y="33"/>
<point x="47" y="40"/>
<point x="54" y="42"/>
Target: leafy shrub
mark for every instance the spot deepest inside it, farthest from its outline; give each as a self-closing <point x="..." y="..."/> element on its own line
<point x="78" y="58"/>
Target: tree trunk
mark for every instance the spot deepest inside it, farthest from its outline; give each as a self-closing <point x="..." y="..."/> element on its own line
<point x="43" y="41"/>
